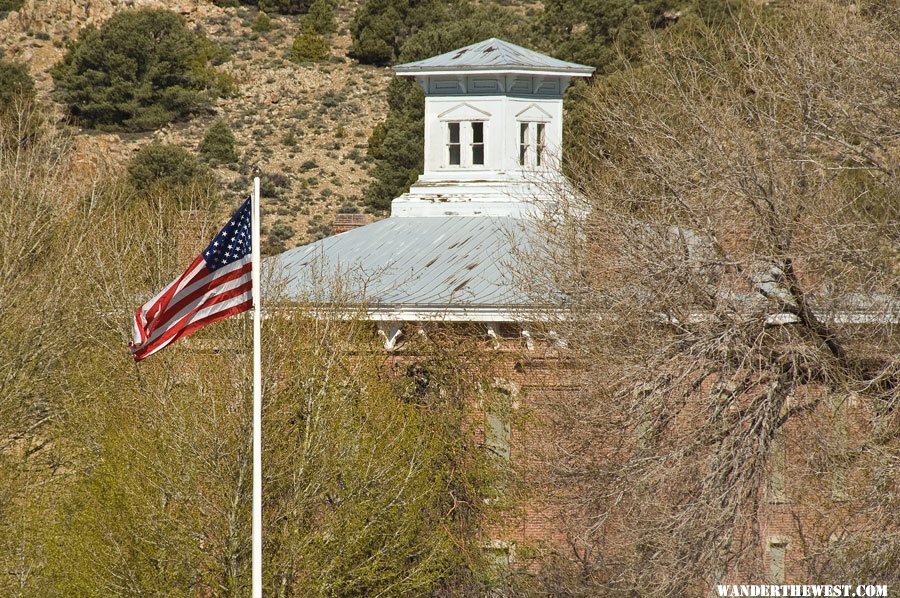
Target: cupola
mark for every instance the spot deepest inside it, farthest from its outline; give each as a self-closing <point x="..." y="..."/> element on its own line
<point x="493" y="127"/>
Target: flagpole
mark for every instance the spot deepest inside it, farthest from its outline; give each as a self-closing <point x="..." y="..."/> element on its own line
<point x="257" y="400"/>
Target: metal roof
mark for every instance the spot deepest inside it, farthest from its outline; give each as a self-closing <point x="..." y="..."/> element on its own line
<point x="495" y="55"/>
<point x="411" y="263"/>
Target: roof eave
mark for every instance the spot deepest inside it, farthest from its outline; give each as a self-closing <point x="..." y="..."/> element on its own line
<point x="410" y="71"/>
<point x="441" y="313"/>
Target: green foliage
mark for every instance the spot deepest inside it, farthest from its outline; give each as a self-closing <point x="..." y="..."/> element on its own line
<point x="320" y="17"/>
<point x="594" y="32"/>
<point x="218" y="144"/>
<point x="262" y="23"/>
<point x="309" y="46"/>
<point x="7" y="6"/>
<point x="209" y="55"/>
<point x="396" y="144"/>
<point x="159" y="165"/>
<point x="285" y="7"/>
<point x="113" y="479"/>
<point x="15" y="84"/>
<point x="391" y="499"/>
<point x="279" y="233"/>
<point x="719" y="12"/>
<point x="380" y="27"/>
<point x="140" y="70"/>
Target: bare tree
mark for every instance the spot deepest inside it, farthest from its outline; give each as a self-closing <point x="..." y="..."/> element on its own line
<point x="731" y="284"/>
<point x="114" y="479"/>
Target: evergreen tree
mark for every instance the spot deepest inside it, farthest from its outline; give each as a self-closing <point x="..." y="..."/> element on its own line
<point x="594" y="32"/>
<point x="162" y="165"/>
<point x="320" y="17"/>
<point x="15" y="84"/>
<point x="218" y="144"/>
<point x="141" y="69"/>
<point x="285" y="7"/>
<point x="309" y="46"/>
<point x="381" y="27"/>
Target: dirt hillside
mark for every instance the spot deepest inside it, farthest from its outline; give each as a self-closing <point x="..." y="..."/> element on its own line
<point x="306" y="126"/>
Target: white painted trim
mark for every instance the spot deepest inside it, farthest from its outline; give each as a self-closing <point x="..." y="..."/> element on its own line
<point x="488" y="71"/>
<point x="447" y="115"/>
<point x="523" y="117"/>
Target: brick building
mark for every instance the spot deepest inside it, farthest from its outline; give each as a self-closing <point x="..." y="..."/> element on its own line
<point x="447" y="254"/>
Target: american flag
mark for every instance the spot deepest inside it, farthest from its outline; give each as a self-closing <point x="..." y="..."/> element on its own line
<point x="216" y="285"/>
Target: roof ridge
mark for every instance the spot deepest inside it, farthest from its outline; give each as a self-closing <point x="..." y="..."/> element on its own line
<point x="493" y="54"/>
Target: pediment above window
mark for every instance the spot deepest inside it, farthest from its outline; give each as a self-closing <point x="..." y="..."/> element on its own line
<point x="464" y="112"/>
<point x="533" y="113"/>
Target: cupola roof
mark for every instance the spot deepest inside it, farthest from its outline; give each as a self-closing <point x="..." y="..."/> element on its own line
<point x="493" y="55"/>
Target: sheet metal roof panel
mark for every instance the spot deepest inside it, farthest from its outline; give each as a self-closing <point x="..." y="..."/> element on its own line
<point x="493" y="54"/>
<point x="453" y="260"/>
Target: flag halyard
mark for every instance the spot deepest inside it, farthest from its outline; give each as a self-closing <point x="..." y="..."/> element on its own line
<point x="216" y="285"/>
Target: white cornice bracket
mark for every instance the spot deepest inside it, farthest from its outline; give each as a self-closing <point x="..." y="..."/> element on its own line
<point x="390" y="332"/>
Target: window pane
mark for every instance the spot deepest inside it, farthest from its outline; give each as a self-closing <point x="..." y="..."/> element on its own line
<point x="454" y="155"/>
<point x="478" y="154"/>
<point x="477" y="132"/>
<point x="539" y="149"/>
<point x="523" y="132"/>
<point x="523" y="149"/>
<point x="454" y="132"/>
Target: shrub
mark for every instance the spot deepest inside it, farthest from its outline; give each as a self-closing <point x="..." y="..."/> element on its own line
<point x="380" y="27"/>
<point x="141" y="69"/>
<point x="320" y="17"/>
<point x="164" y="165"/>
<point x="262" y="23"/>
<point x="209" y="55"/>
<point x="309" y="46"/>
<point x="289" y="139"/>
<point x="273" y="186"/>
<point x="281" y="231"/>
<point x="15" y="84"/>
<point x="285" y="7"/>
<point x="218" y="144"/>
<point x="7" y="6"/>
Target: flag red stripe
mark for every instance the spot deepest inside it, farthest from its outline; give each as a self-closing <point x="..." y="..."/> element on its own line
<point x="151" y="310"/>
<point x="202" y="280"/>
<point x="170" y="318"/>
<point x="172" y="325"/>
<point x="201" y="290"/>
<point x="187" y="325"/>
<point x="194" y="326"/>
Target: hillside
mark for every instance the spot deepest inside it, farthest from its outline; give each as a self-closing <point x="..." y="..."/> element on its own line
<point x="307" y="126"/>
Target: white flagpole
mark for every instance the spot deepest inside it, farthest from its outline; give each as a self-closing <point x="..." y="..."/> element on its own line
<point x="257" y="400"/>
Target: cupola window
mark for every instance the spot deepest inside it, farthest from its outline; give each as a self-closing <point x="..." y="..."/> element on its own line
<point x="539" y="144"/>
<point x="465" y="143"/>
<point x="478" y="143"/>
<point x="532" y="143"/>
<point x="523" y="143"/>
<point x="453" y="146"/>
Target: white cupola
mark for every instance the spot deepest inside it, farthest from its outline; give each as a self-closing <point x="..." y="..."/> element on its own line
<point x="493" y="129"/>
<point x="493" y="137"/>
